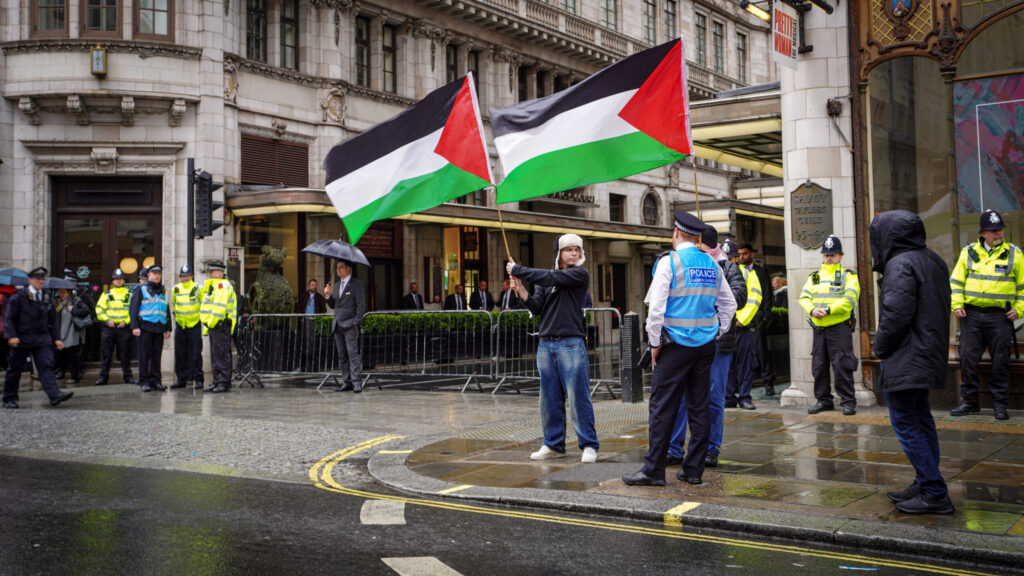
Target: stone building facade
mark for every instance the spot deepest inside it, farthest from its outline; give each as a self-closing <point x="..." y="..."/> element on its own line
<point x="104" y="100"/>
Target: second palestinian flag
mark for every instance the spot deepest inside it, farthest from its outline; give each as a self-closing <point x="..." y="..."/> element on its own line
<point x="629" y="118"/>
<point x="425" y="156"/>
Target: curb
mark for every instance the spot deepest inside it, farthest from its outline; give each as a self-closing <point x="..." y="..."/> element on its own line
<point x="998" y="550"/>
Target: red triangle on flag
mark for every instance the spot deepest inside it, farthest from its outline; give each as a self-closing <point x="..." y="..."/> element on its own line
<point x="462" y="139"/>
<point x="660" y="108"/>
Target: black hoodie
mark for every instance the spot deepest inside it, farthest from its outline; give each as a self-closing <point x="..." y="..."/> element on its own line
<point x="557" y="297"/>
<point x="912" y="338"/>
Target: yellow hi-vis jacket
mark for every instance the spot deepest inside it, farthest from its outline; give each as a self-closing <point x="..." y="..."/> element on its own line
<point x="219" y="304"/>
<point x="113" y="305"/>
<point x="833" y="288"/>
<point x="988" y="279"/>
<point x="745" y="316"/>
<point x="185" y="303"/>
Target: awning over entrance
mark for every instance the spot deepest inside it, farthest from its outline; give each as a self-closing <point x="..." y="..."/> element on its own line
<point x="313" y="200"/>
<point x="743" y="131"/>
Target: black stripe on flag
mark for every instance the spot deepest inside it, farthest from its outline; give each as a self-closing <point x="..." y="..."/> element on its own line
<point x="423" y="118"/>
<point x="626" y="74"/>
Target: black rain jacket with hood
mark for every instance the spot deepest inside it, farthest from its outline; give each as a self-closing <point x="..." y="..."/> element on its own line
<point x="912" y="338"/>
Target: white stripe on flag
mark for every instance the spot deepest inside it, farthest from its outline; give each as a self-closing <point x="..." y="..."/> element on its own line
<point x="594" y="121"/>
<point x="372" y="182"/>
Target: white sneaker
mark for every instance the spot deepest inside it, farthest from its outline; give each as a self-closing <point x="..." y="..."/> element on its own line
<point x="545" y="453"/>
<point x="589" y="456"/>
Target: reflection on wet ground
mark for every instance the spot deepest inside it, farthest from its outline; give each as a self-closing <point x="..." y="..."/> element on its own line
<point x="773" y="458"/>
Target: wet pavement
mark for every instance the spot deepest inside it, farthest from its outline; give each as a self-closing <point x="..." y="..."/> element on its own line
<point x="783" y="473"/>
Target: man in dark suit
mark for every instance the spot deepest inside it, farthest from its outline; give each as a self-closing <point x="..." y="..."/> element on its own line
<point x="481" y="299"/>
<point x="348" y="299"/>
<point x="764" y="357"/>
<point x="456" y="301"/>
<point x="31" y="329"/>
<point x="508" y="299"/>
<point x="310" y="303"/>
<point x="413" y="300"/>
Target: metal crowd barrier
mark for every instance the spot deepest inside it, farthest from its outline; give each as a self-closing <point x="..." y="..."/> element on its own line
<point x="463" y="345"/>
<point x="446" y="344"/>
<point x="516" y="342"/>
<point x="287" y="344"/>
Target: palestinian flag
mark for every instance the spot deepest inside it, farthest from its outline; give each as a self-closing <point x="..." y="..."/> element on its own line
<point x="425" y="156"/>
<point x="628" y="118"/>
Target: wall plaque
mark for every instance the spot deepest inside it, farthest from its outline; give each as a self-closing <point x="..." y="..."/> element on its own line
<point x="810" y="214"/>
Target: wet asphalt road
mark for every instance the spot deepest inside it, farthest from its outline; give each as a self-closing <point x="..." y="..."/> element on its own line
<point x="70" y="518"/>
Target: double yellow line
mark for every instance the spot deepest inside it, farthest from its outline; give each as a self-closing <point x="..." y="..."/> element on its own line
<point x="321" y="475"/>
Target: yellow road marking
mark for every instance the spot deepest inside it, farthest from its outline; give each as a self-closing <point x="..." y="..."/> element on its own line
<point x="320" y="473"/>
<point x="673" y="517"/>
<point x="455" y="489"/>
<point x="394" y="452"/>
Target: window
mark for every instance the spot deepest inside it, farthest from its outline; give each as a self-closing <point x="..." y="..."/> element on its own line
<point x="568" y="5"/>
<point x="651" y="210"/>
<point x="273" y="162"/>
<point x="702" y="40"/>
<point x="154" y="19"/>
<point x="389" y="41"/>
<point x="670" y="20"/>
<point x="362" y="51"/>
<point x="616" y="208"/>
<point x="610" y="13"/>
<point x="256" y="30"/>
<point x="49" y="17"/>
<point x="290" y="34"/>
<point x="741" y="55"/>
<point x="649" y="23"/>
<point x="101" y="18"/>
<point x="719" y="48"/>
<point x="451" y="63"/>
<point x="473" y="65"/>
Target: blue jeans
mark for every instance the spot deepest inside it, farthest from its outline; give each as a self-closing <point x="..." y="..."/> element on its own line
<point x="564" y="372"/>
<point x="716" y="409"/>
<point x="911" y="417"/>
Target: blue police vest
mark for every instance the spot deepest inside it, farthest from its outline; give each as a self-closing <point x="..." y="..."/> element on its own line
<point x="153" y="308"/>
<point x="690" y="316"/>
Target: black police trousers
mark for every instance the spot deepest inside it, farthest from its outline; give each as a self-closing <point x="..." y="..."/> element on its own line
<point x="220" y="353"/>
<point x="682" y="374"/>
<point x="985" y="328"/>
<point x="151" y="347"/>
<point x="833" y="346"/>
<point x="188" y="354"/>
<point x="121" y="338"/>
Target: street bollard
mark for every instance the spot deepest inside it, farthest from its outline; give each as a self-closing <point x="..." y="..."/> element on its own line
<point x="630" y="372"/>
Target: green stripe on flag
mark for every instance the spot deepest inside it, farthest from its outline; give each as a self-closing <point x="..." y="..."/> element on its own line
<point x="413" y="195"/>
<point x="600" y="161"/>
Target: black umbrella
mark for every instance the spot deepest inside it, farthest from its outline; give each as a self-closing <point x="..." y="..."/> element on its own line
<point x="337" y="250"/>
<point x="53" y="283"/>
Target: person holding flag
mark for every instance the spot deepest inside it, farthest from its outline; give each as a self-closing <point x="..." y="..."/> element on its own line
<point x="561" y="356"/>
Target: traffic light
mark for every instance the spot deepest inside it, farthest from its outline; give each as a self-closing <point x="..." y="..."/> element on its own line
<point x="205" y="205"/>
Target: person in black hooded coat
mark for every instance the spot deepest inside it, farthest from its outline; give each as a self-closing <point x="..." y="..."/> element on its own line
<point x="912" y="340"/>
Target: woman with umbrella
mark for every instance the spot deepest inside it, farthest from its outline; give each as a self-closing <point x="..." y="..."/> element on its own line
<point x="10" y="279"/>
<point x="71" y="329"/>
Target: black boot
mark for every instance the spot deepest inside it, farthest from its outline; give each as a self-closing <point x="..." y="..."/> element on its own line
<point x="964" y="409"/>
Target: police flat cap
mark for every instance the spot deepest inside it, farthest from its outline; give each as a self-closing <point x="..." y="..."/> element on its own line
<point x="216" y="265"/>
<point x="991" y="220"/>
<point x="38" y="272"/>
<point x="831" y="245"/>
<point x="154" y="268"/>
<point x="688" y="223"/>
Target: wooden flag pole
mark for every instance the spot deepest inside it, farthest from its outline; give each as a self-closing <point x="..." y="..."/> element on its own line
<point x="508" y="253"/>
<point x="696" y="193"/>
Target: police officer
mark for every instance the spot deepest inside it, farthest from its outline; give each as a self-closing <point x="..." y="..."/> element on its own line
<point x="987" y="285"/>
<point x="188" y="334"/>
<point x="690" y="306"/>
<point x="744" y="360"/>
<point x="151" y="324"/>
<point x="30" y="328"/>
<point x="830" y="297"/>
<point x="112" y="312"/>
<point x="219" y="313"/>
